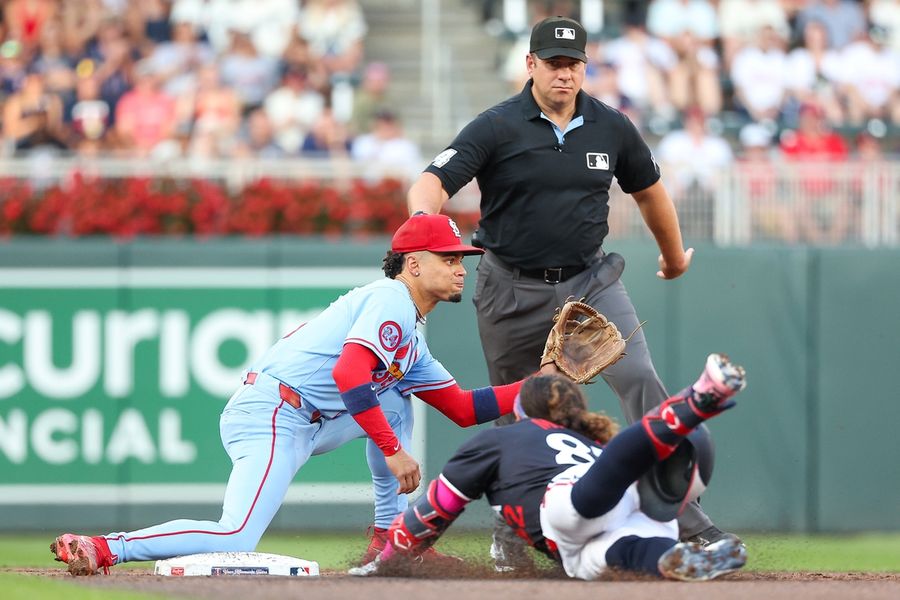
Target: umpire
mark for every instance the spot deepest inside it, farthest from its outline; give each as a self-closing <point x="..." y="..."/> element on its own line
<point x="544" y="161"/>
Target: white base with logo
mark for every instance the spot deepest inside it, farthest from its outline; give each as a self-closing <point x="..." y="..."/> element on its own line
<point x="215" y="564"/>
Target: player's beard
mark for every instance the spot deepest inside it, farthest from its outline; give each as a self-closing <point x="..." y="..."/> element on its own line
<point x="455" y="298"/>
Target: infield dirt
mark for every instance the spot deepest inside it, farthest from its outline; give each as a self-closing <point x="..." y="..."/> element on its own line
<point x="478" y="583"/>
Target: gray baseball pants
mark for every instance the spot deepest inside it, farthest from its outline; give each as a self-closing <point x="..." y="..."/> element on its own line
<point x="515" y="314"/>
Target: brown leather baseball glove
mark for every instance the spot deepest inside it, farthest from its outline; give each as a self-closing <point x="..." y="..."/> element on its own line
<point x="582" y="342"/>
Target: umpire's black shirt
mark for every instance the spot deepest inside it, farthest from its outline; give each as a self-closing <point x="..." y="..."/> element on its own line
<point x="545" y="203"/>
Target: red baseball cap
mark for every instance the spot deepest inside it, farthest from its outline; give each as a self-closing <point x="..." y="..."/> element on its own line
<point x="435" y="233"/>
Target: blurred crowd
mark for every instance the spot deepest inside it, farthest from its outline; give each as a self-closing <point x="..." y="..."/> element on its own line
<point x="739" y="62"/>
<point x="285" y="78"/>
<point x="197" y="79"/>
<point x="753" y="88"/>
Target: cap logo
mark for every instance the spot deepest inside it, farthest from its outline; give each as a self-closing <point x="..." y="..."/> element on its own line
<point x="454" y="228"/>
<point x="565" y="33"/>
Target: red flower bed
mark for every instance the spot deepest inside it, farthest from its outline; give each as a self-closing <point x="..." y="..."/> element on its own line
<point x="125" y="208"/>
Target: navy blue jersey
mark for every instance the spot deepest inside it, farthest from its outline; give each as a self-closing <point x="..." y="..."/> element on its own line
<point x="513" y="466"/>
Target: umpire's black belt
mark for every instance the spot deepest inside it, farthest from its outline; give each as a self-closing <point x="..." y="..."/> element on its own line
<point x="552" y="274"/>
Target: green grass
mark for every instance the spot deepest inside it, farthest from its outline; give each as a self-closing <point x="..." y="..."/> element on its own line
<point x="775" y="552"/>
<point x="869" y="552"/>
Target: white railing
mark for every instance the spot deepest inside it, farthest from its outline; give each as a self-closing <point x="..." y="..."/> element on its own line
<point x="847" y="203"/>
<point x="790" y="203"/>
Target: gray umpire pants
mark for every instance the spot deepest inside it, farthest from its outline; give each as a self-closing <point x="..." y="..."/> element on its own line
<point x="515" y="314"/>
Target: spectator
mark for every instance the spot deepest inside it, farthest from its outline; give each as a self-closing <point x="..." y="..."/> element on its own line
<point x="690" y="28"/>
<point x="298" y="56"/>
<point x="694" y="157"/>
<point x="145" y="116"/>
<point x="292" y="109"/>
<point x="371" y="97"/>
<point x="80" y="21"/>
<point x="886" y="14"/>
<point x="602" y="82"/>
<point x="871" y="79"/>
<point x="273" y="24"/>
<point x="214" y="112"/>
<point x="90" y="118"/>
<point x="54" y="65"/>
<point x="868" y="149"/>
<point x="33" y="118"/>
<point x="813" y="73"/>
<point x="822" y="209"/>
<point x="385" y="152"/>
<point x="12" y="68"/>
<point x="147" y="23"/>
<point x="758" y="75"/>
<point x="25" y="19"/>
<point x="177" y="61"/>
<point x="643" y="64"/>
<point x="256" y="139"/>
<point x="770" y="213"/>
<point x="740" y="22"/>
<point x="327" y="138"/>
<point x="335" y="30"/>
<point x="109" y="57"/>
<point x="844" y="20"/>
<point x="250" y="75"/>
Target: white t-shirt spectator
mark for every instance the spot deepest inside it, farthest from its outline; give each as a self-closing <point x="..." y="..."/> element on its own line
<point x="386" y="152"/>
<point x="292" y="115"/>
<point x="886" y="14"/>
<point x="670" y="18"/>
<point x="759" y="75"/>
<point x="873" y="71"/>
<point x="331" y="28"/>
<point x="802" y="74"/>
<point x="742" y="19"/>
<point x="632" y="58"/>
<point x="688" y="159"/>
<point x="269" y="22"/>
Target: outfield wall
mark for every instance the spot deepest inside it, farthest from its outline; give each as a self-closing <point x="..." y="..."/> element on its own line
<point x="116" y="359"/>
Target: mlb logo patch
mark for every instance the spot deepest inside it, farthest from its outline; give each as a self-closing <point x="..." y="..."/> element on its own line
<point x="565" y="33"/>
<point x="441" y="159"/>
<point x="598" y="160"/>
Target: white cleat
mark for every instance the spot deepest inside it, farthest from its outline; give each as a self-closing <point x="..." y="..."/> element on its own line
<point x="692" y="562"/>
<point x="367" y="570"/>
<point x="720" y="380"/>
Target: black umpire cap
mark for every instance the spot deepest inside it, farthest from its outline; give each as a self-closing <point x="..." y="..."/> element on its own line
<point x="559" y="36"/>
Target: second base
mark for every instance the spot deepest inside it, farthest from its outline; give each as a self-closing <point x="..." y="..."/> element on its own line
<point x="217" y="564"/>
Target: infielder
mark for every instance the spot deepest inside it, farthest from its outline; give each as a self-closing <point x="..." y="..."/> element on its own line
<point x="346" y="374"/>
<point x="576" y="501"/>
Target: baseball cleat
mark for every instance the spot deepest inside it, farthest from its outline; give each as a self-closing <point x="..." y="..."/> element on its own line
<point x="376" y="544"/>
<point x="720" y="380"/>
<point x="710" y="535"/>
<point x="366" y="570"/>
<point x="85" y="555"/>
<point x="692" y="562"/>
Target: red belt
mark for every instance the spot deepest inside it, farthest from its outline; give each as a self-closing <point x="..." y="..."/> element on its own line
<point x="288" y="394"/>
